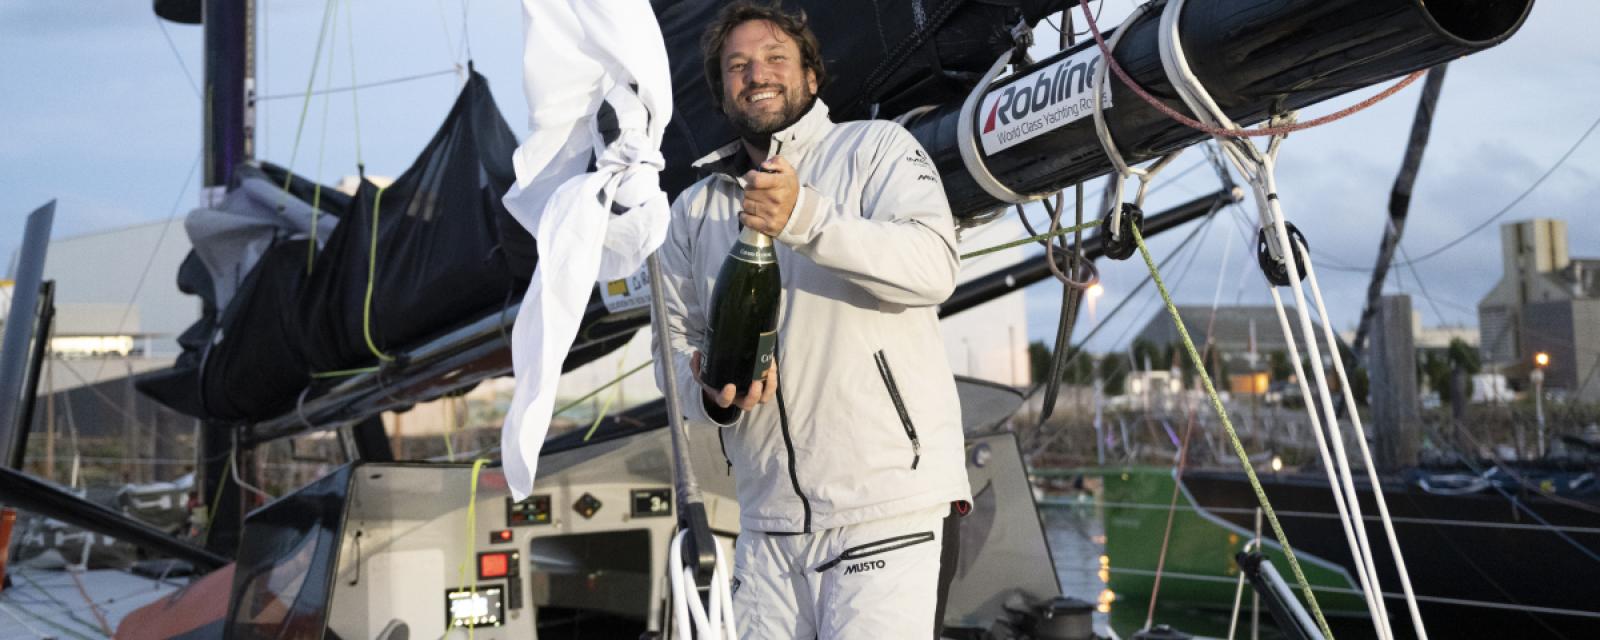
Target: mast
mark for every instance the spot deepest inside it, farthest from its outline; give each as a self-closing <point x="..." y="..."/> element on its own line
<point x="229" y="91"/>
<point x="1400" y="202"/>
<point x="229" y="130"/>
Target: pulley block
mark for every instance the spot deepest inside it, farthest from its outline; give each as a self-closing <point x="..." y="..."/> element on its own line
<point x="1273" y="267"/>
<point x="1121" y="245"/>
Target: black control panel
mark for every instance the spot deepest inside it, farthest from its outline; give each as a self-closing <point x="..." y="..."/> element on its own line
<point x="650" y="503"/>
<point x="532" y="511"/>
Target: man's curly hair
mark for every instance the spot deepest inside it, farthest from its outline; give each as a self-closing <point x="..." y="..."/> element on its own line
<point x="738" y="13"/>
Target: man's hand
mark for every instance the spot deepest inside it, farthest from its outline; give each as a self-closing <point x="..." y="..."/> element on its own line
<point x="760" y="392"/>
<point x="770" y="192"/>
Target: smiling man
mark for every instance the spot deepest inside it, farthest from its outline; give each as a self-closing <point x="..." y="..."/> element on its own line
<point x="848" y="454"/>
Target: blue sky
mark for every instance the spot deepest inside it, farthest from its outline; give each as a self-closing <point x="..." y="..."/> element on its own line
<point x="97" y="112"/>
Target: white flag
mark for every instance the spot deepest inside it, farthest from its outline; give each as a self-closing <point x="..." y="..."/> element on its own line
<point x="598" y="87"/>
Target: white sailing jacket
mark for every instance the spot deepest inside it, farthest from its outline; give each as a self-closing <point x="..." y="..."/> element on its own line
<point x="866" y="423"/>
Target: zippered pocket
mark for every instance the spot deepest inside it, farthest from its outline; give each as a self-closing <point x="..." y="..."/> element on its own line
<point x="899" y="406"/>
<point x="885" y="545"/>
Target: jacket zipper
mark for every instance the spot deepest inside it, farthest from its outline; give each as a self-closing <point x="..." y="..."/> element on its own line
<point x="876" y="547"/>
<point x="788" y="443"/>
<point x="723" y="444"/>
<point x="899" y="406"/>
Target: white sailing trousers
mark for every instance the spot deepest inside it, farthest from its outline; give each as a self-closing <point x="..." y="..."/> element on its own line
<point x="875" y="580"/>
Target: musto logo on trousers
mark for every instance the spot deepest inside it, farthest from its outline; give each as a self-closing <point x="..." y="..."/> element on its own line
<point x="1047" y="99"/>
<point x="863" y="567"/>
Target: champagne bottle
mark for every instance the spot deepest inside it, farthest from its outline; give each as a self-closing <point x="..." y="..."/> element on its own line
<point x="743" y="331"/>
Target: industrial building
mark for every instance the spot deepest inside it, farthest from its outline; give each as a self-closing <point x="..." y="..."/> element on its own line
<point x="1546" y="302"/>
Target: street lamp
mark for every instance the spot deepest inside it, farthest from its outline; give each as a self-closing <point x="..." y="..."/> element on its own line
<point x="1540" y="361"/>
<point x="1093" y="293"/>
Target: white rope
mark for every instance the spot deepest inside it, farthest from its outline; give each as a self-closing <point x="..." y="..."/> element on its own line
<point x="1259" y="169"/>
<point x="1113" y="203"/>
<point x="690" y="617"/>
<point x="1366" y="456"/>
<point x="1369" y="592"/>
<point x="233" y="468"/>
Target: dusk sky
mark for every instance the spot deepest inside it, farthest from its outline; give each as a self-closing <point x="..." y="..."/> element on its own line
<point x="98" y="112"/>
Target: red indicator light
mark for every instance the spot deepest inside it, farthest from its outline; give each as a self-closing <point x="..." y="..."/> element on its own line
<point x="503" y="535"/>
<point x="494" y="565"/>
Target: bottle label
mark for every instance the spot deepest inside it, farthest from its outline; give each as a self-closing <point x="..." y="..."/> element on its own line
<point x="764" y="348"/>
<point x="745" y="252"/>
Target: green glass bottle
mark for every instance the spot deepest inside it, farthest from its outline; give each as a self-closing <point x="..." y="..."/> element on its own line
<point x="743" y="331"/>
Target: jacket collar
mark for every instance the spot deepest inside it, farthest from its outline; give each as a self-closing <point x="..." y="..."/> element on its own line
<point x="796" y="141"/>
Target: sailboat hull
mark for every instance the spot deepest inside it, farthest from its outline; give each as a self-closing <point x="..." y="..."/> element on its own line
<point x="1480" y="566"/>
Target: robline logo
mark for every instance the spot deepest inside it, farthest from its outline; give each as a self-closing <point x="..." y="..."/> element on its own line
<point x="1041" y="101"/>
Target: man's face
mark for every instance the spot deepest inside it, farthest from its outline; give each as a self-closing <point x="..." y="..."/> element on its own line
<point x="765" y="87"/>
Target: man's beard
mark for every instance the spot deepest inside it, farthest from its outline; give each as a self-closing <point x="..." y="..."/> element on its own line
<point x="758" y="131"/>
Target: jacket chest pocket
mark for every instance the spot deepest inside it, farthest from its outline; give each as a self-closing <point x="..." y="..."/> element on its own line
<point x="887" y="374"/>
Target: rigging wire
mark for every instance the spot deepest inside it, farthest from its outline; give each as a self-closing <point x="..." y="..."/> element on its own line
<point x="449" y="41"/>
<point x="1420" y="286"/>
<point x="1073" y="32"/>
<point x="1259" y="167"/>
<point x="1238" y="445"/>
<point x="368" y="85"/>
<point x="466" y="33"/>
<point x="144" y="274"/>
<point x="1521" y="505"/>
<point x="264" y="139"/>
<point x="193" y="86"/>
<point x="1079" y="350"/>
<point x="305" y="104"/>
<point x="322" y="146"/>
<point x="355" y="104"/>
<point x="1514" y="201"/>
<point x="1493" y="217"/>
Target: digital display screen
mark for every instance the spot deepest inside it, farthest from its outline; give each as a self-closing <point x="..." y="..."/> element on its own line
<point x="497" y="564"/>
<point x="482" y="608"/>
<point x="648" y="503"/>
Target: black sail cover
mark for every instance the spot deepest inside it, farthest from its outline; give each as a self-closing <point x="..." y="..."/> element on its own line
<point x="447" y="251"/>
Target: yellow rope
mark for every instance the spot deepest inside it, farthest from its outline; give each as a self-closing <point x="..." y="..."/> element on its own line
<point x="472" y="534"/>
<point x="568" y="406"/>
<point x="606" y="408"/>
<point x="216" y="500"/>
<point x="372" y="274"/>
<point x="1029" y="240"/>
<point x="305" y="105"/>
<point x="343" y="372"/>
<point x="1233" y="437"/>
